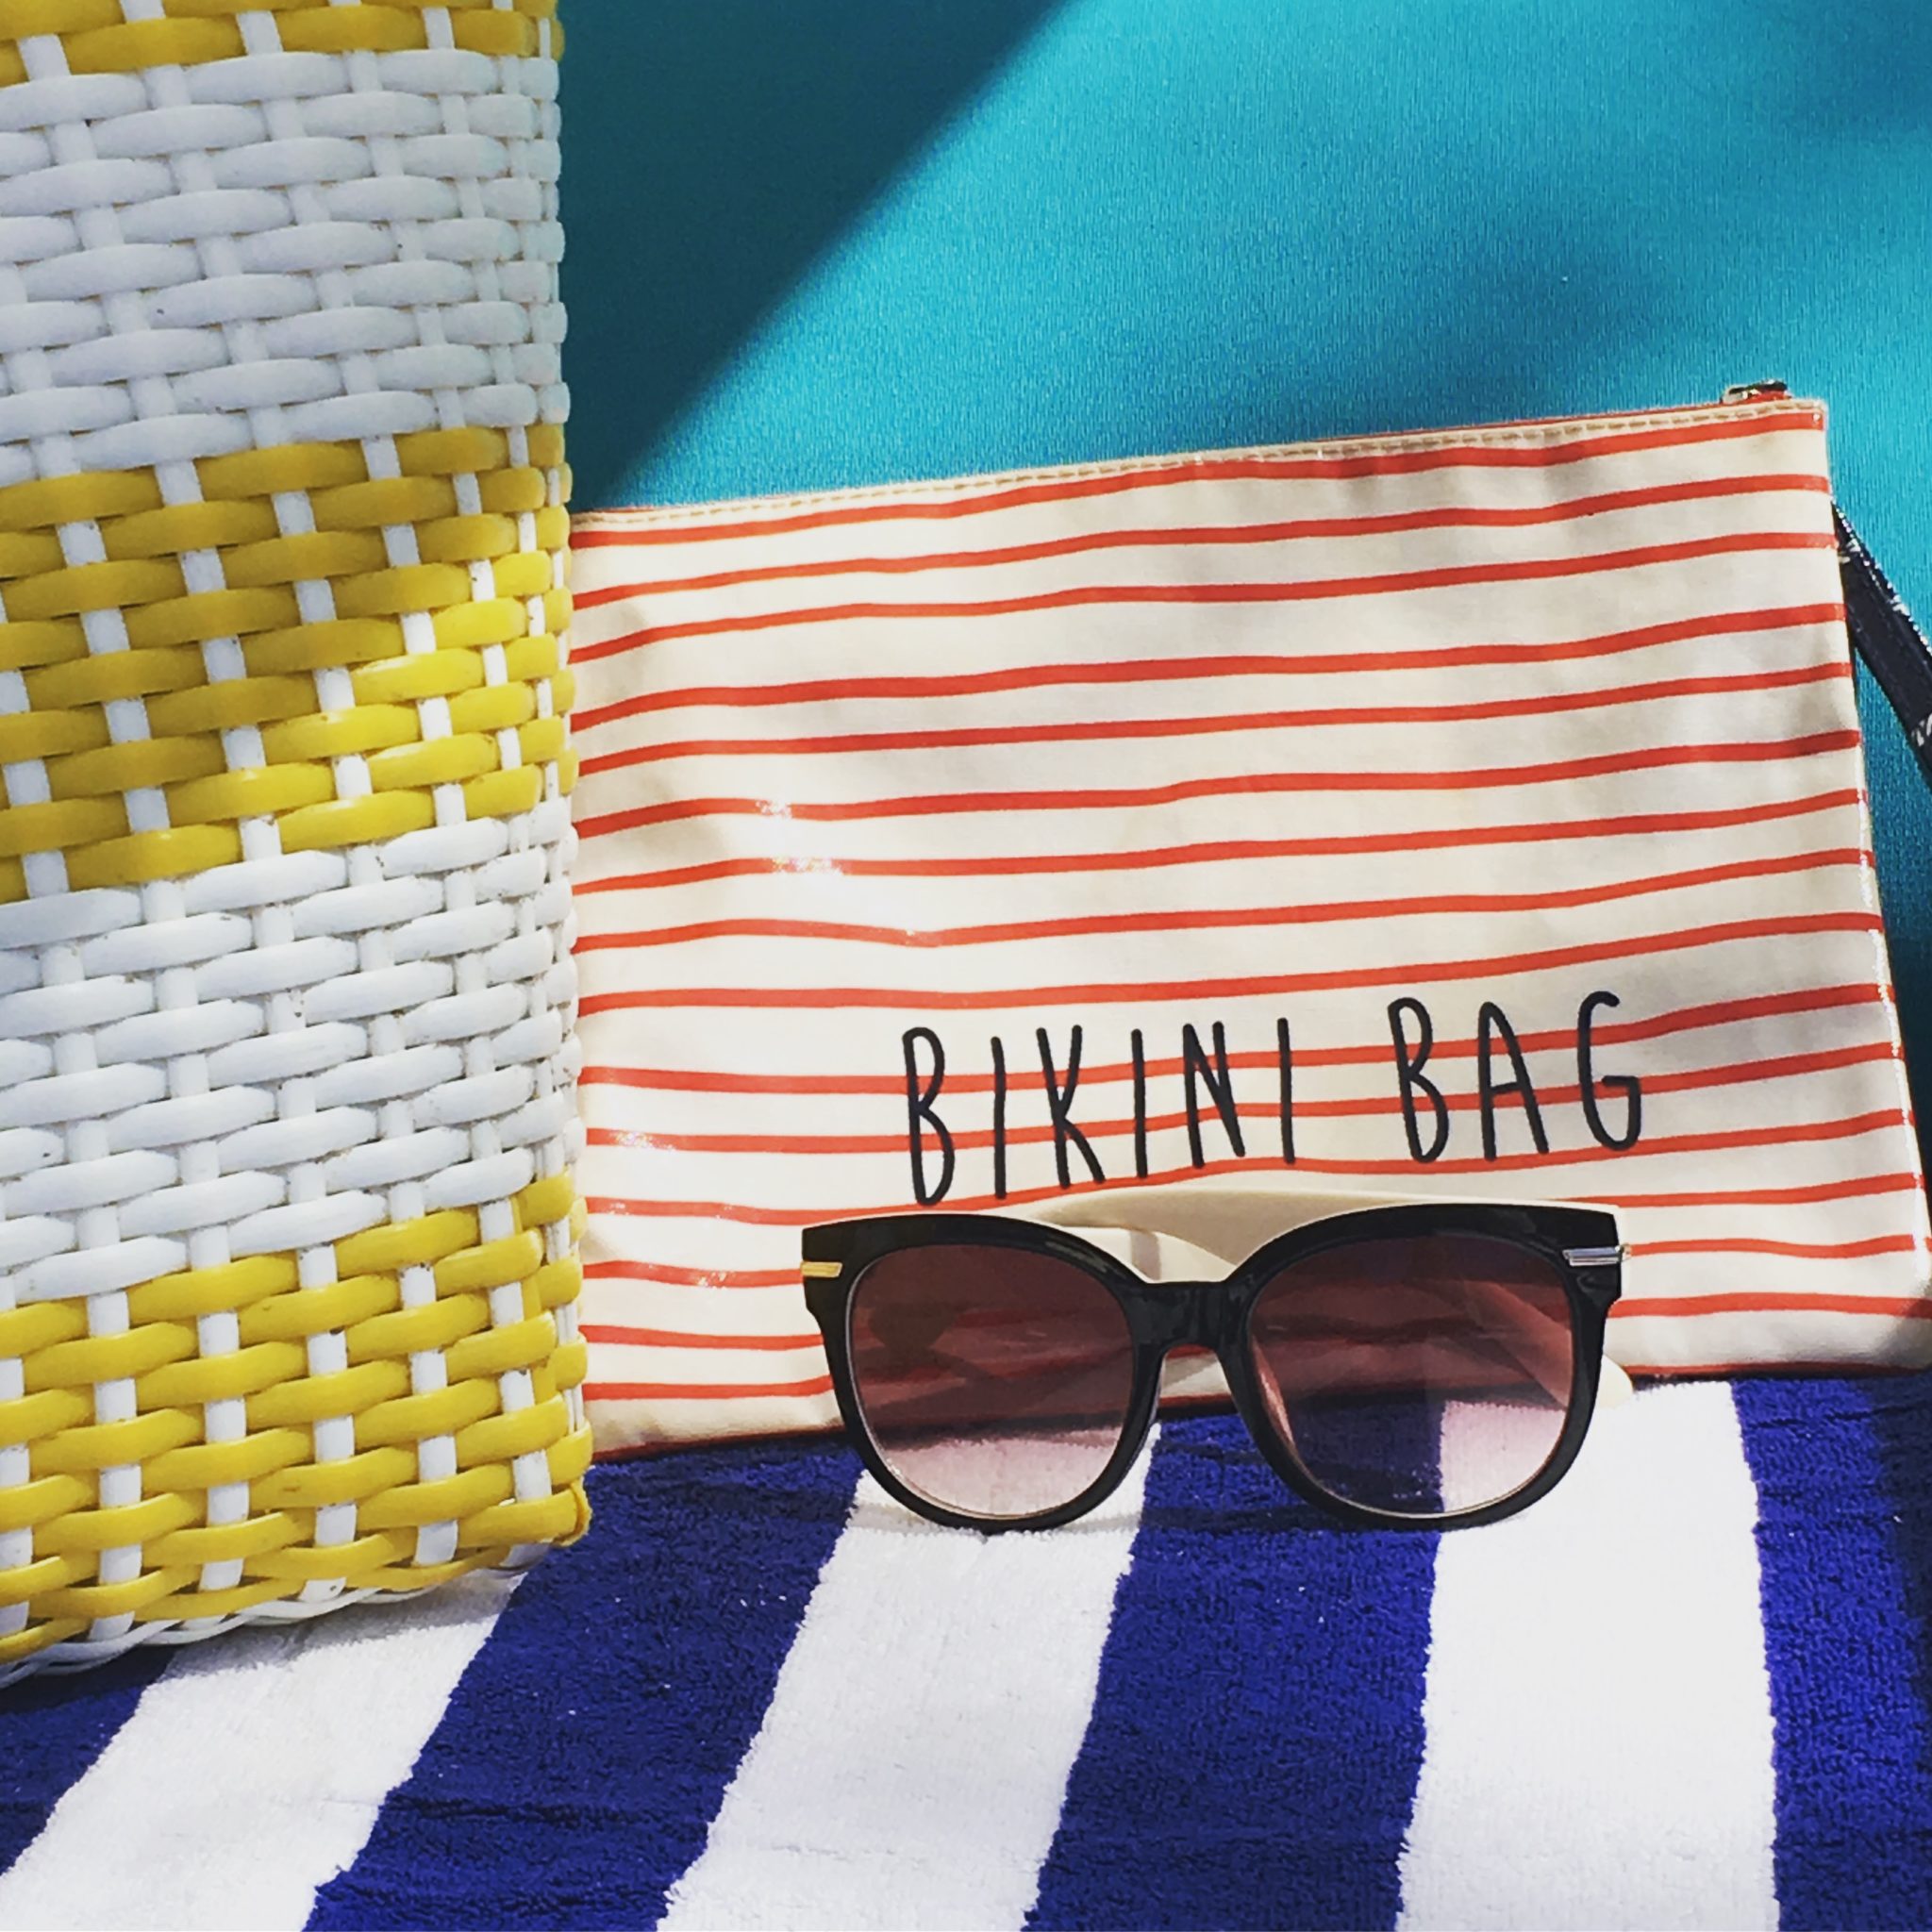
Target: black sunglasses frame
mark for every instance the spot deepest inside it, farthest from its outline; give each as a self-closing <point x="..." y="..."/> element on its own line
<point x="1581" y="1244"/>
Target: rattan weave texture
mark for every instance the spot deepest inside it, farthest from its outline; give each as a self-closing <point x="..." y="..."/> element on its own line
<point x="288" y="1269"/>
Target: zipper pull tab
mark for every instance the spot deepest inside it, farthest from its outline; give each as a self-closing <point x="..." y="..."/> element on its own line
<point x="1755" y="393"/>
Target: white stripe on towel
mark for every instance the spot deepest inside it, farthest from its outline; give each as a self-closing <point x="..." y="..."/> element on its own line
<point x="1598" y="1712"/>
<point x="913" y="1760"/>
<point x="251" y="1771"/>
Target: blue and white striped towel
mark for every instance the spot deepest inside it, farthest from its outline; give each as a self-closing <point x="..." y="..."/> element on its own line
<point x="1692" y="1689"/>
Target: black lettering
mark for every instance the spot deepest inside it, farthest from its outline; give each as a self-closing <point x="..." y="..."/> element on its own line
<point x="1626" y="1083"/>
<point x="1219" y="1085"/>
<point x="1059" y="1100"/>
<point x="999" y="1118"/>
<point x="1494" y="1023"/>
<point x="1408" y="1069"/>
<point x="920" y="1095"/>
<point x="1284" y="1054"/>
<point x="1139" y="1047"/>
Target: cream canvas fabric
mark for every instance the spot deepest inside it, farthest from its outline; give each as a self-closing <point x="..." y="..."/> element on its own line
<point x="1476" y="812"/>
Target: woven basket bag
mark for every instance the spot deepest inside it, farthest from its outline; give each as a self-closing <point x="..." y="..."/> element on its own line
<point x="288" y="1235"/>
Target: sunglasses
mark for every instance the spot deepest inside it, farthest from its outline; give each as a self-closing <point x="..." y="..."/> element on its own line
<point x="1426" y="1363"/>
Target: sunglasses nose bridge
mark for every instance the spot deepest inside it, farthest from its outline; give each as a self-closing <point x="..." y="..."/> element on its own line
<point x="1196" y="1314"/>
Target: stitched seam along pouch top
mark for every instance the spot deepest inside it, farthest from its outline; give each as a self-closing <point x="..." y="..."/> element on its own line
<point x="1473" y="813"/>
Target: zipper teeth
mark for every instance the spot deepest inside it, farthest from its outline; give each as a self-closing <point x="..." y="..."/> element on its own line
<point x="1526" y="429"/>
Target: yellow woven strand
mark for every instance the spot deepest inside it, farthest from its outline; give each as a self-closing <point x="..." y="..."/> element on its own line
<point x="36" y="1579"/>
<point x="96" y="39"/>
<point x="39" y="1324"/>
<point x="25" y="18"/>
<point x="93" y="1531"/>
<point x="29" y="1505"/>
<point x="215" y="10"/>
<point x="210" y="1465"/>
<point x="504" y="1438"/>
<point x="227" y="1542"/>
<point x="24" y="736"/>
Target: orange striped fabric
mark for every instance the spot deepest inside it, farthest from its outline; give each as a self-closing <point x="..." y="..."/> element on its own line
<point x="1478" y="812"/>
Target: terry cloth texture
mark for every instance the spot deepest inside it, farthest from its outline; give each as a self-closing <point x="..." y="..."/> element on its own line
<point x="1689" y="1689"/>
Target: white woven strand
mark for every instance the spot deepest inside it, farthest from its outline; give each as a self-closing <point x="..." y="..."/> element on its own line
<point x="201" y="1157"/>
<point x="558" y="1079"/>
<point x="286" y="124"/>
<point x="33" y="371"/>
<point x="531" y="1471"/>
<point x="26" y="783"/>
<point x="436" y="1543"/>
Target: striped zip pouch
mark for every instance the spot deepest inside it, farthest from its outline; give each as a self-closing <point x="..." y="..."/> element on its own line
<point x="1479" y="812"/>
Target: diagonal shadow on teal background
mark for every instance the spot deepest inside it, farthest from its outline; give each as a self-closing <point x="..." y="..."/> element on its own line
<point x="714" y="150"/>
<point x="816" y="242"/>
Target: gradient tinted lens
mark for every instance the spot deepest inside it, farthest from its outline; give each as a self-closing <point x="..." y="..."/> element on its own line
<point x="994" y="1381"/>
<point x="1420" y="1376"/>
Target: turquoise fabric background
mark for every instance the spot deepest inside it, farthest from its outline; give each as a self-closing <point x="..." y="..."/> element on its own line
<point x="816" y="242"/>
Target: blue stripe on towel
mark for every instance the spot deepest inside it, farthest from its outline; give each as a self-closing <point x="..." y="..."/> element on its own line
<point x="586" y="1749"/>
<point x="1258" y="1726"/>
<point x="1845" y="1483"/>
<point x="52" y="1728"/>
